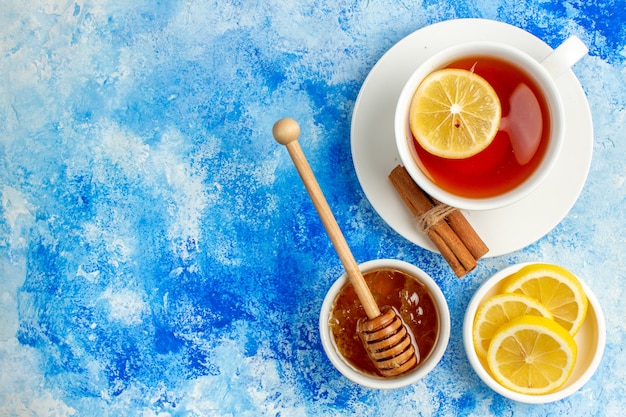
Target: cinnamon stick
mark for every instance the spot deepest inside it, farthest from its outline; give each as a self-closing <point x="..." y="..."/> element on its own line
<point x="466" y="233"/>
<point x="449" y="255"/>
<point x="459" y="245"/>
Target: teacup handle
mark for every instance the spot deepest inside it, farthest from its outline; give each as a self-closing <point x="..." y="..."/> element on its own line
<point x="565" y="56"/>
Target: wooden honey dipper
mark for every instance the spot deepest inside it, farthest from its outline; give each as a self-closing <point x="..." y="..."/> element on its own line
<point x="384" y="335"/>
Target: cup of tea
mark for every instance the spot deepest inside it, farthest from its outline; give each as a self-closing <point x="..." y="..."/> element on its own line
<point x="414" y="295"/>
<point x="531" y="130"/>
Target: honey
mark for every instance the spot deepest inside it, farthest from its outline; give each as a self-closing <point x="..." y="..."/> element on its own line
<point x="392" y="288"/>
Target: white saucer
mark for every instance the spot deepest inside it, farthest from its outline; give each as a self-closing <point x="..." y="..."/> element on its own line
<point x="374" y="151"/>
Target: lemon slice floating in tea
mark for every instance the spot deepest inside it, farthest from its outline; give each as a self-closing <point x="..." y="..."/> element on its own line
<point x="499" y="310"/>
<point x="532" y="355"/>
<point x="454" y="113"/>
<point x="556" y="288"/>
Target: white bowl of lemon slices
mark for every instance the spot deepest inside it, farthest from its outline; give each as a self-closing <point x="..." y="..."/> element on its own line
<point x="534" y="333"/>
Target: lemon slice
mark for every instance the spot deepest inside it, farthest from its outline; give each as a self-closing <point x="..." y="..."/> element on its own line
<point x="499" y="310"/>
<point x="454" y="113"/>
<point x="556" y="288"/>
<point x="532" y="355"/>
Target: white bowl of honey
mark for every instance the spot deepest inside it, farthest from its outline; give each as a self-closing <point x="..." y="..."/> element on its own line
<point x="396" y="284"/>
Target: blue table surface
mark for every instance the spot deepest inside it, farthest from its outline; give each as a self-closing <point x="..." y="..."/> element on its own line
<point x="159" y="255"/>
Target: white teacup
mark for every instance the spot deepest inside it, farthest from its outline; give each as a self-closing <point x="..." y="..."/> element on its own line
<point x="543" y="73"/>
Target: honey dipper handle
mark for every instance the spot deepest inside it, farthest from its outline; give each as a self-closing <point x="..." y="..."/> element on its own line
<point x="286" y="132"/>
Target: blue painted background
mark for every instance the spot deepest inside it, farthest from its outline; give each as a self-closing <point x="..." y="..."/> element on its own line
<point x="158" y="253"/>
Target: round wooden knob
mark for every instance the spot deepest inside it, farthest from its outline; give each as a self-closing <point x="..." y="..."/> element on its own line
<point x="286" y="130"/>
